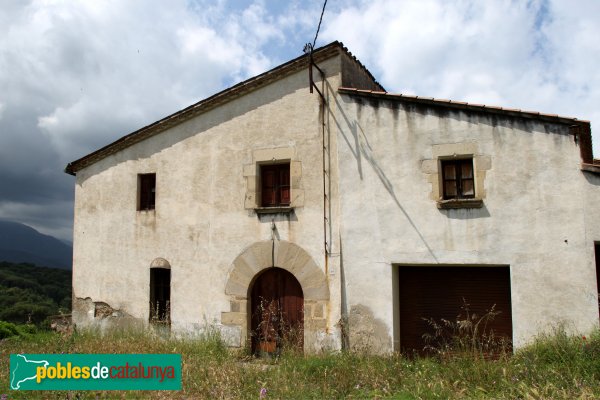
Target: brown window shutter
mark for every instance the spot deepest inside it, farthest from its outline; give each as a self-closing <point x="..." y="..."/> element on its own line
<point x="275" y="184"/>
<point x="268" y="187"/>
<point x="284" y="184"/>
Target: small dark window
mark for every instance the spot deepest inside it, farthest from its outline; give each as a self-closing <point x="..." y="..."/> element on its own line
<point x="275" y="185"/>
<point x="457" y="177"/>
<point x="160" y="295"/>
<point x="147" y="190"/>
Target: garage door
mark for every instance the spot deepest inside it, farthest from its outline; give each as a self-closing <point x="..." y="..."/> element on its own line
<point x="438" y="293"/>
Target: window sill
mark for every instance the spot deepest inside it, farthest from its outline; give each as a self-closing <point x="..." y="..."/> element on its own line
<point x="593" y="168"/>
<point x="459" y="203"/>
<point x="274" y="210"/>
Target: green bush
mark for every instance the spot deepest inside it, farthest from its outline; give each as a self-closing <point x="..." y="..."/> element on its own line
<point x="8" y="329"/>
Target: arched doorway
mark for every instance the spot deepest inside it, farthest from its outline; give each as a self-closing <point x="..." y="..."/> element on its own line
<point x="277" y="305"/>
<point x="160" y="294"/>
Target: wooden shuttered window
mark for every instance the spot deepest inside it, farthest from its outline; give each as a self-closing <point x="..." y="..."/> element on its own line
<point x="147" y="190"/>
<point x="458" y="179"/>
<point x="275" y="185"/>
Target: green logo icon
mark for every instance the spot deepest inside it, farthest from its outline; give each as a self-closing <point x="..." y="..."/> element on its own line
<point x="95" y="371"/>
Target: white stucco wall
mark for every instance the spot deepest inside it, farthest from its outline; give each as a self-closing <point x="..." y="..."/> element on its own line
<point x="539" y="213"/>
<point x="534" y="215"/>
<point x="592" y="217"/>
<point x="200" y="223"/>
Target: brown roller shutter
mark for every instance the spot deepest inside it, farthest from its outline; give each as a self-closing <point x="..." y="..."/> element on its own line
<point x="438" y="293"/>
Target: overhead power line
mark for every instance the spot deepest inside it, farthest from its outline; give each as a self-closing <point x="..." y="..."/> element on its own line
<point x="319" y="26"/>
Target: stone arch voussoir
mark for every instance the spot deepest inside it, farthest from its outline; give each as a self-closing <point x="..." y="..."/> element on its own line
<point x="160" y="263"/>
<point x="285" y="255"/>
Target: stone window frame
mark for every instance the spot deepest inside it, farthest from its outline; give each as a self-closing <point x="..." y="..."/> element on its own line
<point x="251" y="172"/>
<point x="432" y="168"/>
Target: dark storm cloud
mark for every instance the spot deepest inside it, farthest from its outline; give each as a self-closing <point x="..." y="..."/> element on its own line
<point x="75" y="76"/>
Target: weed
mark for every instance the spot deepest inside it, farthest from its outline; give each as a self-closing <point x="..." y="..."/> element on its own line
<point x="274" y="333"/>
<point x="469" y="335"/>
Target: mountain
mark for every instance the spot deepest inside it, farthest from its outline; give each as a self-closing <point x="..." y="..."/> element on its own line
<point x="21" y="243"/>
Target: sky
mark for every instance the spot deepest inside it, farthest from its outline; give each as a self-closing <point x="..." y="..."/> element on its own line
<point x="77" y="75"/>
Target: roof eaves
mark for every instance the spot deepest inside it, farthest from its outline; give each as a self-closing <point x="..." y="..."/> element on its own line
<point x="462" y="105"/>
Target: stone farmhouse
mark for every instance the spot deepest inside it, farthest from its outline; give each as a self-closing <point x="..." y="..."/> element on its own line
<point x="308" y="204"/>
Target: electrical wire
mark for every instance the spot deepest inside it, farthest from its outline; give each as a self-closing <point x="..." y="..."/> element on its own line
<point x="319" y="26"/>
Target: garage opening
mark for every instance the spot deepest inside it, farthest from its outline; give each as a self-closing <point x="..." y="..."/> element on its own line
<point x="430" y="295"/>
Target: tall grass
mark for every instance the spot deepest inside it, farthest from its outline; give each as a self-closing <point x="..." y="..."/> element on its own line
<point x="470" y="335"/>
<point x="556" y="366"/>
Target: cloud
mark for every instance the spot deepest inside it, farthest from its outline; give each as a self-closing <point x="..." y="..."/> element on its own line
<point x="105" y="68"/>
<point x="538" y="55"/>
<point x="75" y="76"/>
<point x="49" y="218"/>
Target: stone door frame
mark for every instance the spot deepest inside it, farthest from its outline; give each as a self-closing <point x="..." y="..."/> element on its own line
<point x="290" y="257"/>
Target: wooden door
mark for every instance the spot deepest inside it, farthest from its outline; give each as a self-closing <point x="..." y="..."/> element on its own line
<point x="277" y="305"/>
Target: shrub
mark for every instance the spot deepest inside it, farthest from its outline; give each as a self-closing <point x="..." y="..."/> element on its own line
<point x="8" y="329"/>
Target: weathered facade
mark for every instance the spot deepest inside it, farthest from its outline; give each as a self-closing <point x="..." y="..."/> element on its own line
<point x="365" y="199"/>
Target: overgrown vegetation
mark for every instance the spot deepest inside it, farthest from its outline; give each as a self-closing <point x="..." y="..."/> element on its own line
<point x="8" y="329"/>
<point x="29" y="294"/>
<point x="556" y="366"/>
<point x="469" y="334"/>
